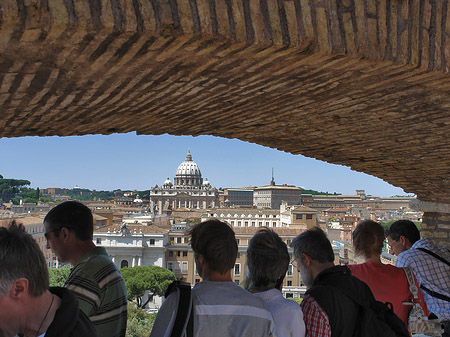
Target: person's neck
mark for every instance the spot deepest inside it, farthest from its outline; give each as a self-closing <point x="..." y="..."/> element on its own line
<point x="317" y="268"/>
<point x="215" y="276"/>
<point x="42" y="313"/>
<point x="80" y="250"/>
<point x="374" y="258"/>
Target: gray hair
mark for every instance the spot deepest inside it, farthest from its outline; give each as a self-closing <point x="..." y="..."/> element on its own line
<point x="315" y="244"/>
<point x="267" y="258"/>
<point x="21" y="257"/>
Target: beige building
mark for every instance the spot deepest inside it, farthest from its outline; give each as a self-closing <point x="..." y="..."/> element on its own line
<point x="271" y="196"/>
<point x="34" y="225"/>
<point x="300" y="217"/>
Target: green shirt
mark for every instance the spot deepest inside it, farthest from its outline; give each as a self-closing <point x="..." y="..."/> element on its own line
<point x="101" y="292"/>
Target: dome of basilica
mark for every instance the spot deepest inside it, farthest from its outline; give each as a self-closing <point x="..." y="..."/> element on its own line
<point x="188" y="174"/>
<point x="189" y="168"/>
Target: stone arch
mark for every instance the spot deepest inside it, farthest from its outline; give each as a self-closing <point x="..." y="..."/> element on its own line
<point x="331" y="80"/>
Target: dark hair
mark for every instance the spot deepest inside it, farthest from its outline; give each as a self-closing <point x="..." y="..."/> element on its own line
<point x="315" y="244"/>
<point x="267" y="258"/>
<point x="368" y="238"/>
<point x="21" y="257"/>
<point x="74" y="216"/>
<point x="215" y="240"/>
<point x="403" y="227"/>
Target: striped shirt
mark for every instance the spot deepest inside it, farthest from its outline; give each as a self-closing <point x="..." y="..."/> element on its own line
<point x="221" y="309"/>
<point x="431" y="273"/>
<point x="101" y="292"/>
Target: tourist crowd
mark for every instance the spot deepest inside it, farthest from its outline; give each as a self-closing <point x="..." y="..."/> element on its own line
<point x="339" y="301"/>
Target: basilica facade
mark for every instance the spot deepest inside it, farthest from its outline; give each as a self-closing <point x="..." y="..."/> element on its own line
<point x="188" y="190"/>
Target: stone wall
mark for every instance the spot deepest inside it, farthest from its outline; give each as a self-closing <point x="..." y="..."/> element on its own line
<point x="359" y="83"/>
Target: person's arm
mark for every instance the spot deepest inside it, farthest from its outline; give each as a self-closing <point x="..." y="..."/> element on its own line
<point x="316" y="319"/>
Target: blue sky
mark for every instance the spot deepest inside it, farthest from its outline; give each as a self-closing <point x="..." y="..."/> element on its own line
<point x="128" y="161"/>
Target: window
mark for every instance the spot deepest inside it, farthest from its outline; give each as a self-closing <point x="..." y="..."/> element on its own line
<point x="289" y="283"/>
<point x="172" y="239"/>
<point x="170" y="253"/>
<point x="298" y="216"/>
<point x="184" y="267"/>
<point x="289" y="295"/>
<point x="152" y="242"/>
<point x="238" y="241"/>
<point x="253" y="223"/>
<point x="124" y="263"/>
<point x="260" y="223"/>
<point x="246" y="223"/>
<point x="179" y="240"/>
<point x="170" y="266"/>
<point x="267" y="223"/>
<point x="274" y="224"/>
<point x="184" y="253"/>
<point x="308" y="216"/>
<point x="197" y="280"/>
<point x="178" y="253"/>
<point x="232" y="223"/>
<point x="236" y="281"/>
<point x="99" y="241"/>
<point x="289" y="272"/>
<point x="237" y="269"/>
<point x="239" y="223"/>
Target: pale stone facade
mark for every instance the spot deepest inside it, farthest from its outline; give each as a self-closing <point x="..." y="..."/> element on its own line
<point x="189" y="190"/>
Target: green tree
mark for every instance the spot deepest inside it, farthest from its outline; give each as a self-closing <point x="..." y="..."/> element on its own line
<point x="139" y="323"/>
<point x="58" y="276"/>
<point x="141" y="278"/>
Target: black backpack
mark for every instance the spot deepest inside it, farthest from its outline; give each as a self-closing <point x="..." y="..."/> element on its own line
<point x="377" y="319"/>
<point x="184" y="321"/>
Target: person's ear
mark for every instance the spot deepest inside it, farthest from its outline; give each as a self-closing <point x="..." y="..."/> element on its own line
<point x="65" y="233"/>
<point x="19" y="289"/>
<point x="306" y="259"/>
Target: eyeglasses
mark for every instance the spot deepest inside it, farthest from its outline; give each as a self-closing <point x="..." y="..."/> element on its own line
<point x="55" y="230"/>
<point x="293" y="262"/>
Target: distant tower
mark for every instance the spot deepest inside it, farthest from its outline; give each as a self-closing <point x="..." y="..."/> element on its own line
<point x="272" y="182"/>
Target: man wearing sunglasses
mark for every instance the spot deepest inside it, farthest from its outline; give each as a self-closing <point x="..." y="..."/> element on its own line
<point x="94" y="278"/>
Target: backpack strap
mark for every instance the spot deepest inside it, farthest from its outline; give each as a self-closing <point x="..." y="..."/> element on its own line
<point x="184" y="312"/>
<point x="440" y="258"/>
<point x="435" y="294"/>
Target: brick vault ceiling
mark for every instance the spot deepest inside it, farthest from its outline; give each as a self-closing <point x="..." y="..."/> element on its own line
<point x="356" y="83"/>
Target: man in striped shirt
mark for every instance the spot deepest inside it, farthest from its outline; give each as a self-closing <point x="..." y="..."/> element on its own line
<point x="94" y="278"/>
<point x="221" y="308"/>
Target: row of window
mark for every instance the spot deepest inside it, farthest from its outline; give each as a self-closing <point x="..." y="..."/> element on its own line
<point x="300" y="216"/>
<point x="215" y="215"/>
<point x="178" y="253"/>
<point x="253" y="223"/>
<point x="178" y="267"/>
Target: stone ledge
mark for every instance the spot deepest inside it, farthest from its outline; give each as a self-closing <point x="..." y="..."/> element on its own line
<point x="426" y="206"/>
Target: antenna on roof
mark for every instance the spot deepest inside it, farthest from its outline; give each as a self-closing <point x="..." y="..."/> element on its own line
<point x="272" y="182"/>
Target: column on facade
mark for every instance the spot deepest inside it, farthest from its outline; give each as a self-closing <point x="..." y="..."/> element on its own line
<point x="204" y="204"/>
<point x="160" y="207"/>
<point x="190" y="203"/>
<point x="113" y="258"/>
<point x="133" y="262"/>
<point x="435" y="222"/>
<point x="139" y="260"/>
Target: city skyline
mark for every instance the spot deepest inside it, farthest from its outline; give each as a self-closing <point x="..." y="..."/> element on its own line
<point x="131" y="162"/>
